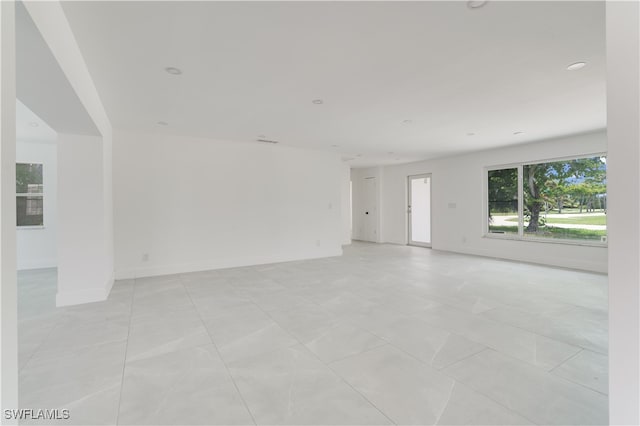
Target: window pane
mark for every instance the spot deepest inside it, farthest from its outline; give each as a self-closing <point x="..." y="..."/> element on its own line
<point x="503" y="201"/>
<point x="566" y="199"/>
<point x="29" y="210"/>
<point x="28" y="178"/>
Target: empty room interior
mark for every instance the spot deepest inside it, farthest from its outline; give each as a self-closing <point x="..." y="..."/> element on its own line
<point x="320" y="213"/>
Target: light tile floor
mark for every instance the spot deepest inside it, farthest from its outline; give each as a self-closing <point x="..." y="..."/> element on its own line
<point x="384" y="334"/>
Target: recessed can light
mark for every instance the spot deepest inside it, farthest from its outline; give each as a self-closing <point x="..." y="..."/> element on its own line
<point x="163" y="123"/>
<point x="476" y="4"/>
<point x="317" y="101"/>
<point x="576" y="66"/>
<point x="33" y="124"/>
<point x="173" y="70"/>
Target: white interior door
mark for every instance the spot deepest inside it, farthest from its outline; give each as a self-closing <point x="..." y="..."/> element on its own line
<point x="419" y="210"/>
<point x="370" y="209"/>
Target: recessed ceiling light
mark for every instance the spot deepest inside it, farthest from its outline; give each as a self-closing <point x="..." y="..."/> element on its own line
<point x="317" y="101"/>
<point x="476" y="4"/>
<point x="173" y="70"/>
<point x="576" y="66"/>
<point x="33" y="124"/>
<point x="518" y="133"/>
<point x="163" y="123"/>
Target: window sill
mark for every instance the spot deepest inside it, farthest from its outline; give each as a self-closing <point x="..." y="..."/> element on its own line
<point x="546" y="240"/>
<point x="28" y="228"/>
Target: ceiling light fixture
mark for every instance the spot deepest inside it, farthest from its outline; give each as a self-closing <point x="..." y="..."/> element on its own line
<point x="173" y="70"/>
<point x="33" y="124"/>
<point x="163" y="123"/>
<point x="317" y="101"/>
<point x="576" y="66"/>
<point x="476" y="4"/>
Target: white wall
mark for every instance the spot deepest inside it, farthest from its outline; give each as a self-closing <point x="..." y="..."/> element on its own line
<point x="195" y="204"/>
<point x="83" y="275"/>
<point x="623" y="111"/>
<point x="458" y="181"/>
<point x="37" y="247"/>
<point x="345" y="201"/>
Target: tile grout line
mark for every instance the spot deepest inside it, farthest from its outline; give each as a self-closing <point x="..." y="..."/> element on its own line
<point x="556" y="375"/>
<point x="535" y="334"/>
<point x="126" y="349"/>
<point x="233" y="380"/>
<point x="566" y="360"/>
<point x="489" y="397"/>
<point x="486" y="348"/>
<point x="342" y="379"/>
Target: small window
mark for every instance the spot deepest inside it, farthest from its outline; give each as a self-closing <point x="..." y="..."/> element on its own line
<point x="29" y="195"/>
<point x="558" y="200"/>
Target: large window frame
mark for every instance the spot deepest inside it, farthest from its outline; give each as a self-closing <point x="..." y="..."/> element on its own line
<point x="520" y="235"/>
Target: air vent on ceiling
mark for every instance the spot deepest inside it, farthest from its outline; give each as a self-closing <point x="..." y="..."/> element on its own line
<point x="266" y="141"/>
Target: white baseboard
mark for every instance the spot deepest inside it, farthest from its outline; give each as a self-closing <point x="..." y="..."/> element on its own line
<point x="158" y="270"/>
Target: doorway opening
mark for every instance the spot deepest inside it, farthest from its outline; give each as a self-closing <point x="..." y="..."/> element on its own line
<point x="419" y="210"/>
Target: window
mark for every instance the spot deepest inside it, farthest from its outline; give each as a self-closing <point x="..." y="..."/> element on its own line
<point x="29" y="195"/>
<point x="555" y="200"/>
<point x="503" y="200"/>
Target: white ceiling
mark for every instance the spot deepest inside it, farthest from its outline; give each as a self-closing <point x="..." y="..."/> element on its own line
<point x="42" y="86"/>
<point x="253" y="68"/>
<point x="30" y="127"/>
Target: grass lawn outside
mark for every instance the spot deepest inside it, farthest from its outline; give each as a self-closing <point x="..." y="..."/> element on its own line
<point x="551" y="232"/>
<point x="579" y="220"/>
